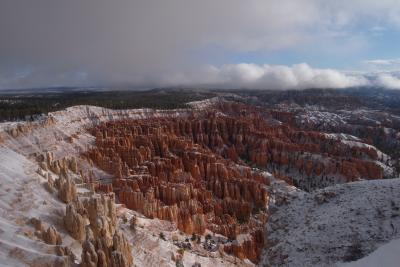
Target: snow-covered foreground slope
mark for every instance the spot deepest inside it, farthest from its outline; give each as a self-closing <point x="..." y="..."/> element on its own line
<point x="387" y="255"/>
<point x="336" y="224"/>
<point x="22" y="196"/>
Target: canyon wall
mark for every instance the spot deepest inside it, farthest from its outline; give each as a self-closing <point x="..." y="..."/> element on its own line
<point x="197" y="170"/>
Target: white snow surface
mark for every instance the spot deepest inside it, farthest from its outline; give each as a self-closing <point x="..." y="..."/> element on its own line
<point x="202" y="104"/>
<point x="22" y="197"/>
<point x="306" y="230"/>
<point x="387" y="255"/>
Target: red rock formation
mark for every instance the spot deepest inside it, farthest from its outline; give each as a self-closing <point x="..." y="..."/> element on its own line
<point x="74" y="222"/>
<point x="249" y="248"/>
<point x="104" y="245"/>
<point x="97" y="252"/>
<point x="162" y="173"/>
<point x="93" y="221"/>
<point x="51" y="236"/>
<point x="194" y="170"/>
<point x="66" y="188"/>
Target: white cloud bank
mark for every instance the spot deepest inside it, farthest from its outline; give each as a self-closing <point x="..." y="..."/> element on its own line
<point x="255" y="76"/>
<point x="280" y="77"/>
<point x="388" y="81"/>
<point x="298" y="76"/>
<point x="252" y="76"/>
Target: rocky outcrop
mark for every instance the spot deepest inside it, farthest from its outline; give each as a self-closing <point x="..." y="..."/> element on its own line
<point x="101" y="212"/>
<point x="51" y="236"/>
<point x="37" y="224"/>
<point x="104" y="245"/>
<point x="47" y="162"/>
<point x="26" y="127"/>
<point x="96" y="252"/>
<point x="74" y="222"/>
<point x="93" y="221"/>
<point x="66" y="188"/>
<point x="121" y="255"/>
<point x="247" y="249"/>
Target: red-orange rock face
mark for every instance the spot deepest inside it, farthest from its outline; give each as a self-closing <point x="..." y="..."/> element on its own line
<point x="194" y="171"/>
<point x="247" y="249"/>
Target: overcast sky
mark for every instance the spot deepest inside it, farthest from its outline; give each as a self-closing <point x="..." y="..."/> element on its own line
<point x="269" y="44"/>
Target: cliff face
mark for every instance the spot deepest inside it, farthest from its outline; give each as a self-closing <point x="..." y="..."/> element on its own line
<point x="194" y="170"/>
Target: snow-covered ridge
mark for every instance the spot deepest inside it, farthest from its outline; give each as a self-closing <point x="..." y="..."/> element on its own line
<point x="324" y="117"/>
<point x="205" y="103"/>
<point x="342" y="136"/>
<point x="73" y="118"/>
<point x="335" y="224"/>
<point x="83" y="112"/>
<point x="353" y="141"/>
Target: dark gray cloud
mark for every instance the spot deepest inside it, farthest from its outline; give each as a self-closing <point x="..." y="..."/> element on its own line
<point x="150" y="43"/>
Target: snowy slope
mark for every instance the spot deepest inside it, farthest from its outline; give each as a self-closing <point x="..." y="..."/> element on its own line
<point x="339" y="223"/>
<point x="387" y="255"/>
<point x="22" y="197"/>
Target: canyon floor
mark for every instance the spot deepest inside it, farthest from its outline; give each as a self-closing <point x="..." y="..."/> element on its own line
<point x="222" y="182"/>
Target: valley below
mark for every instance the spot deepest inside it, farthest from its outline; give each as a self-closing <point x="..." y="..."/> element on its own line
<point x="233" y="179"/>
